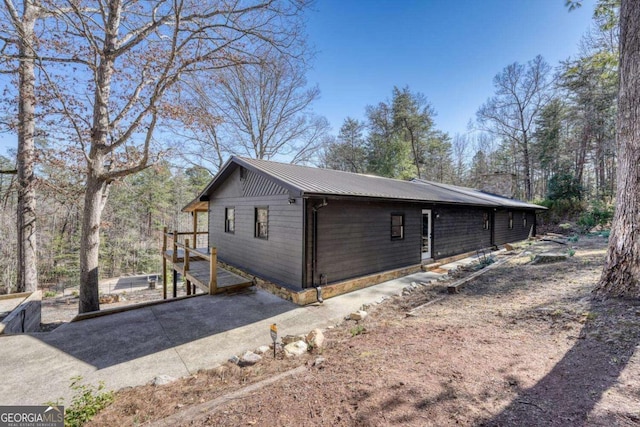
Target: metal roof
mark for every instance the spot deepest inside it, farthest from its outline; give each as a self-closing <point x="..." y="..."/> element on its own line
<point x="303" y="181"/>
<point x="490" y="197"/>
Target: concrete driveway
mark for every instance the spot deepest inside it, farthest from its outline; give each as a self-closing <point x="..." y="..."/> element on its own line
<point x="177" y="339"/>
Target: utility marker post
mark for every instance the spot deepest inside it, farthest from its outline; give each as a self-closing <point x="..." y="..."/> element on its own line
<point x="274" y="337"/>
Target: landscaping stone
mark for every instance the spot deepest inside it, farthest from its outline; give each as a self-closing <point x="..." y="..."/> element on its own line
<point x="288" y="339"/>
<point x="262" y="349"/>
<point x="109" y="298"/>
<point x="162" y="380"/>
<point x="297" y="348"/>
<point x="358" y="315"/>
<point x="315" y="338"/>
<point x="249" y="358"/>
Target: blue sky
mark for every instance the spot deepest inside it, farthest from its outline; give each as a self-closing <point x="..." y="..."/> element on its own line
<point x="449" y="50"/>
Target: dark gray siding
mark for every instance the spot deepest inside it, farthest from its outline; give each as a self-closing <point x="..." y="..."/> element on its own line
<point x="520" y="231"/>
<point x="278" y="258"/>
<point x="354" y="238"/>
<point x="459" y="230"/>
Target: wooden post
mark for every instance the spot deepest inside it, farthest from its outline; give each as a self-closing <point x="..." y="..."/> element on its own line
<point x="195" y="229"/>
<point x="186" y="265"/>
<point x="213" y="272"/>
<point x="164" y="240"/>
<point x="164" y="277"/>
<point x="175" y="246"/>
<point x="175" y="283"/>
<point x="164" y="262"/>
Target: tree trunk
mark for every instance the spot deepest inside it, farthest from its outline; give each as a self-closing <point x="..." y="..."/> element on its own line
<point x="621" y="273"/>
<point x="26" y="214"/>
<point x="95" y="191"/>
<point x="90" y="245"/>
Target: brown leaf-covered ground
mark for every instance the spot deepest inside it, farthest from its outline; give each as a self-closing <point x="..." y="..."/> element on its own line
<point x="521" y="345"/>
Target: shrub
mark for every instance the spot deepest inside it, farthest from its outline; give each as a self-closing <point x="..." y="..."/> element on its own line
<point x="357" y="330"/>
<point x="86" y="402"/>
<point x="560" y="210"/>
<point x="598" y="214"/>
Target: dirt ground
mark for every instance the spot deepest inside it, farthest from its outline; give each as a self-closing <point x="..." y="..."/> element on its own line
<point x="521" y="345"/>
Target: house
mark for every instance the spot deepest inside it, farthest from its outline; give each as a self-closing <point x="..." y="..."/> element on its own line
<point x="302" y="227"/>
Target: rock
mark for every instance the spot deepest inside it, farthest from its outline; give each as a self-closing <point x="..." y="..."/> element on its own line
<point x="234" y="359"/>
<point x="262" y="349"/>
<point x="109" y="298"/>
<point x="549" y="257"/>
<point x="162" y="380"/>
<point x="297" y="348"/>
<point x="315" y="338"/>
<point x="508" y="247"/>
<point x="319" y="361"/>
<point x="249" y="358"/>
<point x="288" y="339"/>
<point x="358" y="315"/>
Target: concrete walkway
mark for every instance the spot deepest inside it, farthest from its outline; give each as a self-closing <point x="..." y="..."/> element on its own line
<point x="177" y="339"/>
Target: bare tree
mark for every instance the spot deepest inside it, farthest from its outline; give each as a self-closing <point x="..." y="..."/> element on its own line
<point x="621" y="273"/>
<point x="521" y="93"/>
<point x="118" y="65"/>
<point x="260" y="110"/>
<point x="17" y="51"/>
<point x="460" y="146"/>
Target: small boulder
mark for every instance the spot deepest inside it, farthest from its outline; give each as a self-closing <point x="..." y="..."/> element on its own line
<point x="549" y="257"/>
<point x="319" y="361"/>
<point x="288" y="339"/>
<point x="358" y="315"/>
<point x="249" y="358"/>
<point x="262" y="349"/>
<point x="315" y="338"/>
<point x="234" y="359"/>
<point x="297" y="348"/>
<point x="162" y="380"/>
<point x="109" y="298"/>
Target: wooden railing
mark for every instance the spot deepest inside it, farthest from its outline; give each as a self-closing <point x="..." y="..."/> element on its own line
<point x="189" y="252"/>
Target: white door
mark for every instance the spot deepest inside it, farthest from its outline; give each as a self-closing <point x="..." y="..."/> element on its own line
<point x="426" y="234"/>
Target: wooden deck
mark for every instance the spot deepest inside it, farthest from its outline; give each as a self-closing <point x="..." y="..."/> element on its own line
<point x="198" y="272"/>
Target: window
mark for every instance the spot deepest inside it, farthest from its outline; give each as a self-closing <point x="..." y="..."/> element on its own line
<point x="524" y="219"/>
<point x="262" y="223"/>
<point x="230" y="220"/>
<point x="485" y="220"/>
<point x="397" y="226"/>
<point x="510" y="220"/>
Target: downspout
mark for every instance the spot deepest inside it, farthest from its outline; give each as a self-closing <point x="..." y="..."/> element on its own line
<point x="314" y="247"/>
